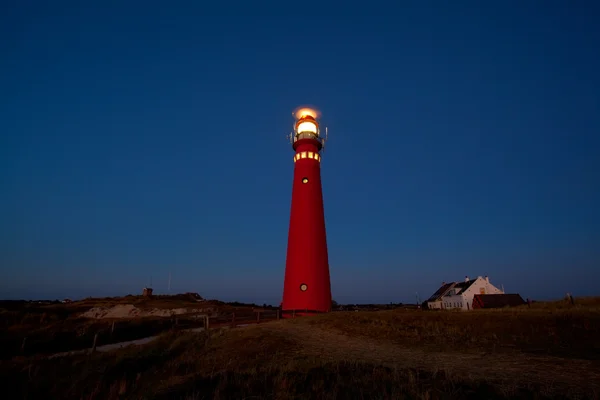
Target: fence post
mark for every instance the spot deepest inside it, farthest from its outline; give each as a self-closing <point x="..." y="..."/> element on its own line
<point x="233" y="319"/>
<point x="277" y="315"/>
<point x="206" y="324"/>
<point x="294" y="314"/>
<point x="95" y="341"/>
<point x="112" y="328"/>
<point x="258" y="317"/>
<point x="23" y="344"/>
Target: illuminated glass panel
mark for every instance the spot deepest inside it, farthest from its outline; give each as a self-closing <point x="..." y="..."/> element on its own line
<point x="308" y="127"/>
<point x="316" y="156"/>
<point x="303" y="154"/>
<point x="310" y="154"/>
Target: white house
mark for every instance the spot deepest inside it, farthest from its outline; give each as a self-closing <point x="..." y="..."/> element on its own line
<point x="459" y="295"/>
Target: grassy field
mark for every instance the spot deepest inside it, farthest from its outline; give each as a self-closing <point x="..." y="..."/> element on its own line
<point x="547" y="351"/>
<point x="29" y="328"/>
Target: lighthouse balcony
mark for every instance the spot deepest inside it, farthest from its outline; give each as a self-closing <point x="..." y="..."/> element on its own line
<point x="308" y="135"/>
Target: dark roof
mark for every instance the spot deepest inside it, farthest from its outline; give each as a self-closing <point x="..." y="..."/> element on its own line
<point x="445" y="288"/>
<point x="465" y="285"/>
<point x="497" y="300"/>
<point x="441" y="291"/>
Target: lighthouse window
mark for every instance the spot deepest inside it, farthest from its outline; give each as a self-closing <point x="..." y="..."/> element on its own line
<point x="316" y="156"/>
<point x="305" y="180"/>
<point x="307" y="126"/>
<point x="303" y="287"/>
<point x="303" y="154"/>
<point x="310" y="154"/>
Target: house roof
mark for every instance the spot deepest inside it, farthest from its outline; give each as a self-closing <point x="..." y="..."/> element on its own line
<point x="441" y="291"/>
<point x="497" y="300"/>
<point x="465" y="285"/>
<point x="445" y="288"/>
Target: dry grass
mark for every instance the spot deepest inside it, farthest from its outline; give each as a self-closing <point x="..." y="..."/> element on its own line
<point x="56" y="327"/>
<point x="15" y="313"/>
<point x="346" y="355"/>
<point x="570" y="332"/>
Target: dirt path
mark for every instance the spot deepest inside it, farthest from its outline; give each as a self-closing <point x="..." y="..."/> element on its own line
<point x="512" y="368"/>
<point x="116" y="346"/>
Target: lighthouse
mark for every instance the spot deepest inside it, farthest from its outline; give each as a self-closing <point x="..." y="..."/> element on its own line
<point x="306" y="288"/>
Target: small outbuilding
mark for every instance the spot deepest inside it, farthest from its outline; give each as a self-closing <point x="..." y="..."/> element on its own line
<point x="497" y="300"/>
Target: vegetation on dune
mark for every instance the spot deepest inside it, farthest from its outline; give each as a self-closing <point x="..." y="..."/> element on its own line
<point x="76" y="334"/>
<point x="562" y="331"/>
<point x="56" y="309"/>
<point x="195" y="367"/>
<point x="514" y="353"/>
<point x="28" y="328"/>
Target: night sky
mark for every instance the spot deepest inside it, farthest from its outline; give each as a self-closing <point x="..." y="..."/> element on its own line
<point x="148" y="138"/>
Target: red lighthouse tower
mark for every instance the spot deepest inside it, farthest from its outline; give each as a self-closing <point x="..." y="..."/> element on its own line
<point x="306" y="288"/>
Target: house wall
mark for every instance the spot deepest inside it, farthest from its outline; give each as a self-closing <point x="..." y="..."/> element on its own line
<point x="434" y="305"/>
<point x="464" y="300"/>
<point x="454" y="302"/>
<point x="482" y="286"/>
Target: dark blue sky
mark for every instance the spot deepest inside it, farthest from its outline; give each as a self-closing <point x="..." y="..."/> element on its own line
<point x="141" y="139"/>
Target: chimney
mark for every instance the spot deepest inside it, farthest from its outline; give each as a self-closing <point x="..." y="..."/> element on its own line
<point x="487" y="279"/>
<point x="466" y="278"/>
<point x="443" y="283"/>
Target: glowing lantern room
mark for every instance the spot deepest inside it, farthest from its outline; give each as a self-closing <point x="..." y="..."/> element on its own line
<point x="306" y="122"/>
<point x="307" y="125"/>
